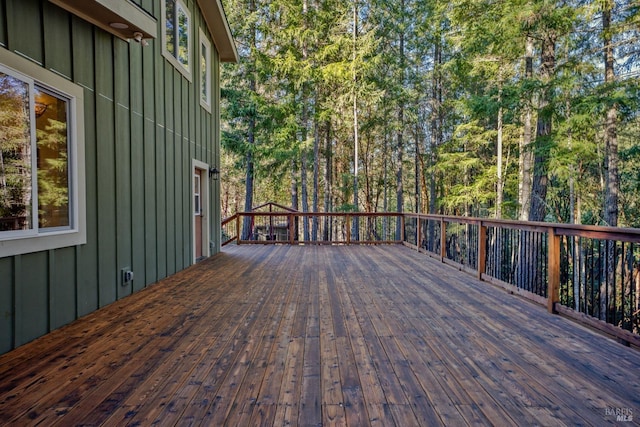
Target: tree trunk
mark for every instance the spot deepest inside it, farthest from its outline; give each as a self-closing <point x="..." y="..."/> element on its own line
<point x="248" y="197"/>
<point x="385" y="184"/>
<point x="399" y="135"/>
<point x="316" y="178"/>
<point x="249" y="175"/>
<point x="417" y="171"/>
<point x="499" y="184"/>
<point x="294" y="195"/>
<point x="525" y="161"/>
<point x="399" y="160"/>
<point x="304" y="159"/>
<point x="612" y="184"/>
<point x="304" y="134"/>
<point x="610" y="134"/>
<point x="355" y="232"/>
<point x="328" y="181"/>
<point x="434" y="141"/>
<point x="304" y="192"/>
<point x="537" y="210"/>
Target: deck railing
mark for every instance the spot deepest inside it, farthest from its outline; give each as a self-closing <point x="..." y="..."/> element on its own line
<point x="312" y="228"/>
<point x="589" y="273"/>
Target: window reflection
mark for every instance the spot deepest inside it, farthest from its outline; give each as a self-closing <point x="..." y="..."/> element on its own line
<point x="53" y="164"/>
<point x="170" y="27"/>
<point x="183" y="37"/>
<point x="204" y="80"/>
<point x="15" y="155"/>
<point x="176" y="40"/>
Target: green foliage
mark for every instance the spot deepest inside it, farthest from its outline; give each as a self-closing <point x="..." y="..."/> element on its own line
<point x="437" y="75"/>
<point x="53" y="175"/>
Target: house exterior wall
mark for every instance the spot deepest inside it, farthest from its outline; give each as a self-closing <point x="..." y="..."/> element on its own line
<point x="144" y="127"/>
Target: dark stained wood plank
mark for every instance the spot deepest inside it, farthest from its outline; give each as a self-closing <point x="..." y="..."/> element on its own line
<point x="331" y="383"/>
<point x="310" y="401"/>
<point x="319" y="335"/>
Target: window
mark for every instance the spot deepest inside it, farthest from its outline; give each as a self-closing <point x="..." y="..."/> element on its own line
<point x="197" y="208"/>
<point x="177" y="35"/>
<point x="40" y="144"/>
<point x="205" y="71"/>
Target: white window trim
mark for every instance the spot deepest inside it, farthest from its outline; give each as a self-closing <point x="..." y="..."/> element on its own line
<point x="76" y="234"/>
<point x="204" y="40"/>
<point x="185" y="71"/>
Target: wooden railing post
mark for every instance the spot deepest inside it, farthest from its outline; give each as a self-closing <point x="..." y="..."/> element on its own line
<point x="348" y="229"/>
<point x="482" y="249"/>
<point x="553" y="290"/>
<point x="238" y="235"/>
<point x="418" y="236"/>
<point x="443" y="239"/>
<point x="292" y="228"/>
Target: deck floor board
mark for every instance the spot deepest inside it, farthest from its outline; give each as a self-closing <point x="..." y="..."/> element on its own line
<point x="320" y="335"/>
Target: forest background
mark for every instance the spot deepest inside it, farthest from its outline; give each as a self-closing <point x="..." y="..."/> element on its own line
<point x="517" y="109"/>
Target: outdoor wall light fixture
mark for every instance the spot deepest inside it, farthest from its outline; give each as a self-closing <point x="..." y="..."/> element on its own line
<point x="138" y="37"/>
<point x="214" y="173"/>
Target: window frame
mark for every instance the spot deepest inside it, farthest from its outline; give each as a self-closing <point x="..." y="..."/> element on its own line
<point x="16" y="242"/>
<point x="197" y="194"/>
<point x="185" y="70"/>
<point x="204" y="40"/>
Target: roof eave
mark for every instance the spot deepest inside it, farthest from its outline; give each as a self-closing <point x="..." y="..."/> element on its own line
<point x="219" y="27"/>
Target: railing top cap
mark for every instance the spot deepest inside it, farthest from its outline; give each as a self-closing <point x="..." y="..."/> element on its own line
<point x="592" y="231"/>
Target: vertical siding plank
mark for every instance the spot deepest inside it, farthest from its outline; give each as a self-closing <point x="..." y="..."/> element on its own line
<point x="107" y="265"/>
<point x="57" y="39"/>
<point x="7" y="310"/>
<point x="24" y="29"/>
<point x="84" y="74"/>
<point x="171" y="202"/>
<point x="161" y="200"/>
<point x="160" y="146"/>
<point x="32" y="298"/>
<point x="122" y="163"/>
<point x="150" y="206"/>
<point x="170" y="143"/>
<point x="191" y="100"/>
<point x="150" y="203"/>
<point x="62" y="293"/>
<point x="177" y="168"/>
<point x="137" y="168"/>
<point x="187" y="173"/>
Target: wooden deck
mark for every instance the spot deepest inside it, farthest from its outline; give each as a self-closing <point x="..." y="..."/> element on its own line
<point x="321" y="335"/>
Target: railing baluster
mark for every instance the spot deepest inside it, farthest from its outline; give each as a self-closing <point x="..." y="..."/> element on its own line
<point x="553" y="270"/>
<point x="443" y="240"/>
<point x="482" y="249"/>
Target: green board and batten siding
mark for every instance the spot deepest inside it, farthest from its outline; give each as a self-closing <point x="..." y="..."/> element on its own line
<point x="143" y="126"/>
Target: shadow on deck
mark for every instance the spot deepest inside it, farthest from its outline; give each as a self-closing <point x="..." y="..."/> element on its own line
<point x="321" y="335"/>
